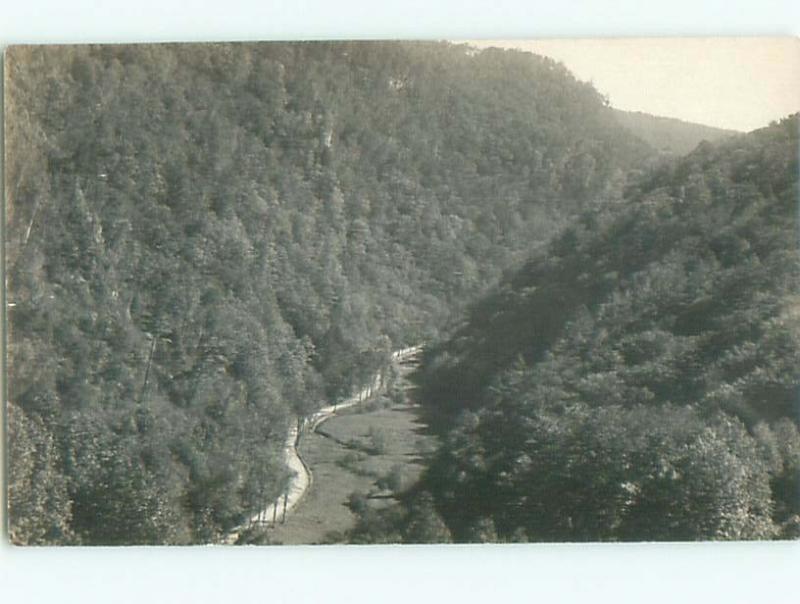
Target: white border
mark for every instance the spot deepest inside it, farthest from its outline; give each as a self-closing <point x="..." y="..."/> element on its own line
<point x="53" y="21"/>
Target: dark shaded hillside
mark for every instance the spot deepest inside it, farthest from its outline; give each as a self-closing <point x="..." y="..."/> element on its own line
<point x="205" y="241"/>
<point x="668" y="134"/>
<point x="638" y="379"/>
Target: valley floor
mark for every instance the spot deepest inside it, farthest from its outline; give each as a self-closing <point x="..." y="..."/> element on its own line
<point x="351" y="453"/>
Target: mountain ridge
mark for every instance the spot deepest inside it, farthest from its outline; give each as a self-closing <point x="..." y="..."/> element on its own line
<point x="669" y="134"/>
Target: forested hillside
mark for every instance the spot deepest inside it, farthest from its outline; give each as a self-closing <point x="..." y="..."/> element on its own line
<point x="206" y="241"/>
<point x="668" y="134"/>
<point x="638" y="378"/>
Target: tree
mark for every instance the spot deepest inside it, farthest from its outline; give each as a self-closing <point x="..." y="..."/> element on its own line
<point x="39" y="507"/>
<point x="425" y="525"/>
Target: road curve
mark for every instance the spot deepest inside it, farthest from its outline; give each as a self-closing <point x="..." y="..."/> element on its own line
<point x="301" y="476"/>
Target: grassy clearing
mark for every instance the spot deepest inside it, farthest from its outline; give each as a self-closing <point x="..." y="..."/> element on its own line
<point x="372" y="452"/>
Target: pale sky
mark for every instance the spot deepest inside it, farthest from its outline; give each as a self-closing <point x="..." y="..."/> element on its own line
<point x="736" y="83"/>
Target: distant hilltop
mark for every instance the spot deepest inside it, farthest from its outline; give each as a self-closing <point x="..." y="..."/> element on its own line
<point x="669" y="134"/>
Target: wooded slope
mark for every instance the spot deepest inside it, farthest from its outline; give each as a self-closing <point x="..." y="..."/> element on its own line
<point x="638" y="378"/>
<point x="205" y="240"/>
<point x="668" y="134"/>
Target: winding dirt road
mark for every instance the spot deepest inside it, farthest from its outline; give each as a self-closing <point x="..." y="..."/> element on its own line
<point x="301" y="476"/>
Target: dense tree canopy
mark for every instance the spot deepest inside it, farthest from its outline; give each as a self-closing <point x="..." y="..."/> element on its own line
<point x="638" y="378"/>
<point x="207" y="240"/>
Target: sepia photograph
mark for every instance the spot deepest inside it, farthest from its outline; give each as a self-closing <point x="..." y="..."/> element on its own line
<point x="402" y="292"/>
